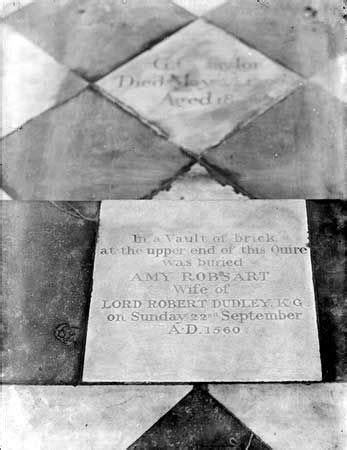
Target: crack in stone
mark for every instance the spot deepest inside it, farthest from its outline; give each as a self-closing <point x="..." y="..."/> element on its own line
<point x="74" y="212"/>
<point x="167" y="184"/>
<point x="250" y="441"/>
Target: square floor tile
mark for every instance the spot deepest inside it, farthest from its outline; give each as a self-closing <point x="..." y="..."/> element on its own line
<point x="87" y="149"/>
<point x="303" y="36"/>
<point x="199" y="7"/>
<point x="93" y="37"/>
<point x="199" y="85"/>
<point x="32" y="81"/>
<point x="9" y="6"/>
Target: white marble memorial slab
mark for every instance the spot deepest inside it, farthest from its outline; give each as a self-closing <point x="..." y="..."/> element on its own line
<point x="198" y="85"/>
<point x="202" y="291"/>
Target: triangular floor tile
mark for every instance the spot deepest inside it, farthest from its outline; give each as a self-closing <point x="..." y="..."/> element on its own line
<point x="198" y="421"/>
<point x="198" y="184"/>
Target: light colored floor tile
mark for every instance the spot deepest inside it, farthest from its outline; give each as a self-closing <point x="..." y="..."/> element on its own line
<point x="197" y="184"/>
<point x="199" y="7"/>
<point x="292" y="416"/>
<point x="334" y="78"/>
<point x="199" y="85"/>
<point x="4" y="195"/>
<point x="32" y="81"/>
<point x="86" y="417"/>
<point x="9" y="6"/>
<point x="93" y="37"/>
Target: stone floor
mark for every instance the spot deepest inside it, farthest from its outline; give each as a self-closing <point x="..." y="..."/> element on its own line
<point x="92" y="124"/>
<point x="124" y="96"/>
<point x="254" y="416"/>
<point x="49" y="246"/>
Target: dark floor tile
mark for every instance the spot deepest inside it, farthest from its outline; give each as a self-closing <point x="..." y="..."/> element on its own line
<point x="294" y="150"/>
<point x="327" y="227"/>
<point x="197" y="422"/>
<point x="94" y="37"/>
<point x="300" y="35"/>
<point x="48" y="252"/>
<point x="87" y="149"/>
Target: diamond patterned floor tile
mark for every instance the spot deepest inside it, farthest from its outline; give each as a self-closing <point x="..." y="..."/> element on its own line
<point x="334" y="78"/>
<point x="87" y="149"/>
<point x="199" y="85"/>
<point x="199" y="422"/>
<point x="9" y="6"/>
<point x="32" y="81"/>
<point x="199" y="7"/>
<point x="294" y="150"/>
<point x="48" y="253"/>
<point x="4" y="195"/>
<point x="197" y="184"/>
<point x="94" y="37"/>
<point x="290" y="417"/>
<point x="303" y="36"/>
<point x="85" y="417"/>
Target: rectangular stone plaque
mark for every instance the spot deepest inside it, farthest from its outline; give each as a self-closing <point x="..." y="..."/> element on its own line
<point x="202" y="291"/>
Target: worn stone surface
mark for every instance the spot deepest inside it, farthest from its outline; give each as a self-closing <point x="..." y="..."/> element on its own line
<point x="86" y="417"/>
<point x="199" y="85"/>
<point x="328" y="231"/>
<point x="152" y="257"/>
<point x="199" y="7"/>
<point x="9" y="6"/>
<point x="87" y="149"/>
<point x="294" y="150"/>
<point x="290" y="417"/>
<point x="94" y="37"/>
<point x="199" y="422"/>
<point x="31" y="80"/>
<point x="47" y="261"/>
<point x="197" y="184"/>
<point x="302" y="36"/>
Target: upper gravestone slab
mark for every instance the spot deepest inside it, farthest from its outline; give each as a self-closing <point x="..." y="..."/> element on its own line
<point x="202" y="291"/>
<point x="199" y="85"/>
